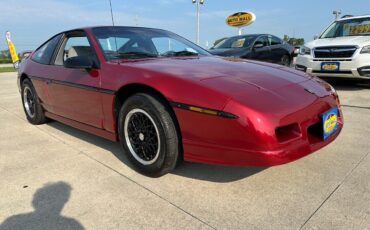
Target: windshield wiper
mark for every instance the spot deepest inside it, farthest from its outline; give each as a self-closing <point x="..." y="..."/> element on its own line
<point x="135" y="55"/>
<point x="179" y="53"/>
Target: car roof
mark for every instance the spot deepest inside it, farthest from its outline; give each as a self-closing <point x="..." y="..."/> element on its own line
<point x="255" y="35"/>
<point x="94" y="27"/>
<point x="354" y="17"/>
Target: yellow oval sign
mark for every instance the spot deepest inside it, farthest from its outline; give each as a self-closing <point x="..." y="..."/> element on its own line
<point x="241" y="19"/>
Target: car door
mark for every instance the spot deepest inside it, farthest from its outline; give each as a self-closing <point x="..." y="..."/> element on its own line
<point x="277" y="49"/>
<point x="261" y="53"/>
<point x="74" y="93"/>
<point x="39" y="71"/>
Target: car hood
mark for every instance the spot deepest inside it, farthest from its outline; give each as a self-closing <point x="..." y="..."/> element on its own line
<point x="340" y="41"/>
<point x="241" y="80"/>
<point x="258" y="74"/>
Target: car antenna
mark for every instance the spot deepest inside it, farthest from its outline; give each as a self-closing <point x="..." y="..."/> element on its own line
<point x="111" y="13"/>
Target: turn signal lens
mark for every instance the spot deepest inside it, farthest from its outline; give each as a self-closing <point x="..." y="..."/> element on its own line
<point x="200" y="110"/>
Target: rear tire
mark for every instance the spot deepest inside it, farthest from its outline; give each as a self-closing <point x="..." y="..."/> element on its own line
<point x="148" y="134"/>
<point x="31" y="104"/>
<point x="285" y="60"/>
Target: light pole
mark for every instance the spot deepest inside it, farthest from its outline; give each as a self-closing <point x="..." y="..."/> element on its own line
<point x="198" y="3"/>
<point x="337" y="13"/>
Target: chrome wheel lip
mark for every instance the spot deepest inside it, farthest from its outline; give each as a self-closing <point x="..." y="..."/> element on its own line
<point x="27" y="92"/>
<point x="127" y="139"/>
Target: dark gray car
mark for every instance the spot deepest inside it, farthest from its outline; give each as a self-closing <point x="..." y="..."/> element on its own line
<point x="262" y="47"/>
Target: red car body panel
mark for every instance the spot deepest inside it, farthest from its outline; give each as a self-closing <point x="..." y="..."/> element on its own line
<point x="264" y="97"/>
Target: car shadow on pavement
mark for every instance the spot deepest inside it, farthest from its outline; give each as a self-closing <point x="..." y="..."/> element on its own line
<point x="48" y="203"/>
<point x="213" y="173"/>
<point x="348" y="84"/>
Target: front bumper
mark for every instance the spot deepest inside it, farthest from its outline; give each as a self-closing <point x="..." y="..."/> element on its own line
<point x="349" y="68"/>
<point x="215" y="140"/>
<point x="241" y="157"/>
<point x="227" y="155"/>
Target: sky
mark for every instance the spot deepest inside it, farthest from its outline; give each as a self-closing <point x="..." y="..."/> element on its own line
<point x="33" y="22"/>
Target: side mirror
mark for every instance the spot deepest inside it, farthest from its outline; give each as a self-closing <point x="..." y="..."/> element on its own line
<point x="79" y="62"/>
<point x="316" y="37"/>
<point x="258" y="45"/>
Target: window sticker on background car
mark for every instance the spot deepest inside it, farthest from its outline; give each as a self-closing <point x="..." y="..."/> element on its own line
<point x="359" y="29"/>
<point x="356" y="29"/>
<point x="238" y="43"/>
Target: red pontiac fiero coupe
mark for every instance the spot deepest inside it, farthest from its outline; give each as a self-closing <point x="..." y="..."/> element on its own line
<point x="166" y="99"/>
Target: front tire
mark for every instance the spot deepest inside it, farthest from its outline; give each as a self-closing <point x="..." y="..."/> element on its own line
<point x="148" y="134"/>
<point x="31" y="104"/>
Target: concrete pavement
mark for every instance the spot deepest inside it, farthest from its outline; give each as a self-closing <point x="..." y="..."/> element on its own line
<point x="56" y="174"/>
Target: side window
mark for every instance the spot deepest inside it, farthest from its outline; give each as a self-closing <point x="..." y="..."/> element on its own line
<point x="275" y="40"/>
<point x="44" y="54"/>
<point x="77" y="46"/>
<point x="165" y="44"/>
<point x="73" y="46"/>
<point x="266" y="41"/>
<point x="263" y="40"/>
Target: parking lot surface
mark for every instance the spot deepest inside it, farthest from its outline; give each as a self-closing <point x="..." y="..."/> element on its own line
<point x="53" y="173"/>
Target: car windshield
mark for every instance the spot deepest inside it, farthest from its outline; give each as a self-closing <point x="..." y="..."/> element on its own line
<point x="349" y="27"/>
<point x="136" y="43"/>
<point x="236" y="42"/>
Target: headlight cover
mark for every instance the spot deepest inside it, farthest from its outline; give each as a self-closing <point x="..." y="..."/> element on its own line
<point x="365" y="50"/>
<point x="304" y="50"/>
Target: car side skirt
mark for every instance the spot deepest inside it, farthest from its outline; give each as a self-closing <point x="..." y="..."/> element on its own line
<point x="87" y="128"/>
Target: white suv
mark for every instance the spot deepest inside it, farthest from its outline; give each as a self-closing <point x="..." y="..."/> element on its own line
<point x="343" y="50"/>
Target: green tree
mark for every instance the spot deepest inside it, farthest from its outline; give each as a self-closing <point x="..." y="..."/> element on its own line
<point x="294" y="41"/>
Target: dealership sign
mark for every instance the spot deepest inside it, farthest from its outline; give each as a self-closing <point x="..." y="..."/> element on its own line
<point x="12" y="51"/>
<point x="241" y="19"/>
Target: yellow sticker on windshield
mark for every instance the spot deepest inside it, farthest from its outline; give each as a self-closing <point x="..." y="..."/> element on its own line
<point x="238" y="43"/>
<point x="359" y="29"/>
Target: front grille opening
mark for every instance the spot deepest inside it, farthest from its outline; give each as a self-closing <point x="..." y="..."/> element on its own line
<point x="288" y="132"/>
<point x="315" y="132"/>
<point x="331" y="72"/>
<point x="335" y="51"/>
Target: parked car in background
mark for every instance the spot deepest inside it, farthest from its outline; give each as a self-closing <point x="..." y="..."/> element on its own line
<point x="166" y="99"/>
<point x="261" y="47"/>
<point x="25" y="54"/>
<point x="342" y="50"/>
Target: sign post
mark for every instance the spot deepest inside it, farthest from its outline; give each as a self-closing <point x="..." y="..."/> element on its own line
<point x="240" y="20"/>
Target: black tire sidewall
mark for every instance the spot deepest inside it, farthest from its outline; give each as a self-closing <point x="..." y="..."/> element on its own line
<point x="168" y="154"/>
<point x="282" y="60"/>
<point x="39" y="117"/>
